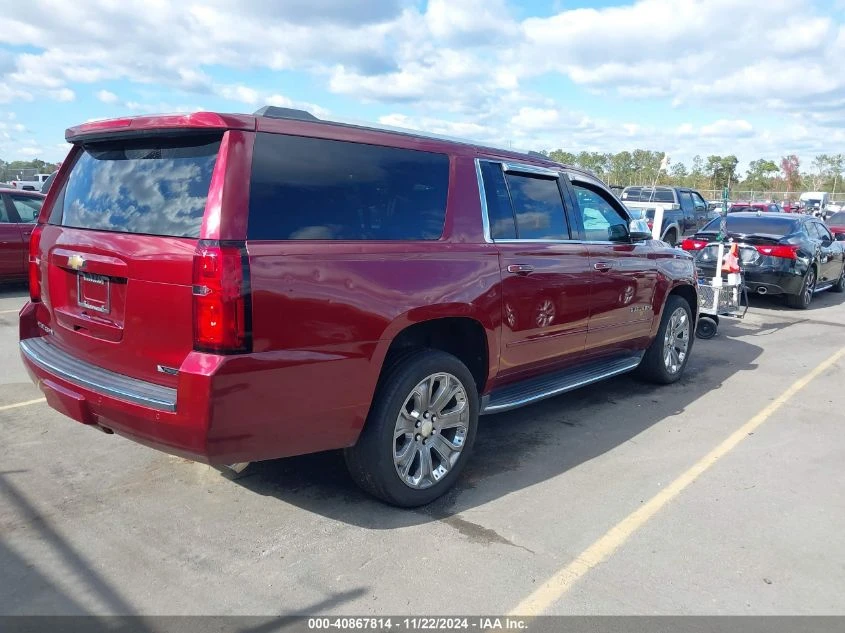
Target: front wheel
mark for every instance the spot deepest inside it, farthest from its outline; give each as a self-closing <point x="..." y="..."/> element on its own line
<point x="666" y="357"/>
<point x="804" y="298"/>
<point x="420" y="430"/>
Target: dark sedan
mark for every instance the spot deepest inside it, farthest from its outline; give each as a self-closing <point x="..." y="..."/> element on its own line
<point x="783" y="254"/>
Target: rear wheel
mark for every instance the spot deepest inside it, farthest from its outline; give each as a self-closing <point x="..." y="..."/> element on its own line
<point x="839" y="286"/>
<point x="666" y="357"/>
<point x="804" y="298"/>
<point x="420" y="430"/>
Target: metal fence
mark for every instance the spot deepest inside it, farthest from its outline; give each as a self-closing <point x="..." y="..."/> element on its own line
<point x="774" y="196"/>
<point x="8" y="175"/>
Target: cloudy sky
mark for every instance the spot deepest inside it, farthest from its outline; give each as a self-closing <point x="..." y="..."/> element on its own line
<point x="752" y="77"/>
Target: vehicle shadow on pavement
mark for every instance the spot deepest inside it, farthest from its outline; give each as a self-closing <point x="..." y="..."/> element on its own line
<point x="14" y="291"/>
<point x="27" y="590"/>
<point x="514" y="450"/>
<point x="823" y="299"/>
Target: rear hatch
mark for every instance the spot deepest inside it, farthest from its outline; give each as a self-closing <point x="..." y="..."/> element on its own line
<point x="119" y="248"/>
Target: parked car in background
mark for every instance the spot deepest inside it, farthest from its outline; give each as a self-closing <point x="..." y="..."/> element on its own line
<point x="836" y="223"/>
<point x="18" y="212"/>
<point x="275" y="284"/>
<point x="47" y="183"/>
<point x="31" y="185"/>
<point x="781" y="254"/>
<point x="765" y="207"/>
<point x="815" y="202"/>
<point x="684" y="210"/>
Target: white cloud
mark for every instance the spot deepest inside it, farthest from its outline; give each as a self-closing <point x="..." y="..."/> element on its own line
<point x="33" y="151"/>
<point x="62" y="94"/>
<point x="535" y="118"/>
<point x="476" y="20"/>
<point x="240" y="93"/>
<point x="728" y="129"/>
<point x="464" y="67"/>
<point x="107" y="97"/>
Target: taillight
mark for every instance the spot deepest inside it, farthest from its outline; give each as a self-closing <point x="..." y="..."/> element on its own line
<point x="783" y="251"/>
<point x="222" y="303"/>
<point x="35" y="263"/>
<point x="692" y="244"/>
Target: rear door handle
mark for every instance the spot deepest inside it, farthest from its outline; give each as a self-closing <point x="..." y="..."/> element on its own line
<point x="602" y="267"/>
<point x="521" y="269"/>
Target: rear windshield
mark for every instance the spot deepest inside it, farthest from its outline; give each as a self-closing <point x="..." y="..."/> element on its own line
<point x="319" y="189"/>
<point x="761" y="225"/>
<point x="647" y="194"/>
<point x="837" y="218"/>
<point x="154" y="186"/>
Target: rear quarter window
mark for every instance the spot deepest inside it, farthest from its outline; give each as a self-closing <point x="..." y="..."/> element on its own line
<point x="318" y="189"/>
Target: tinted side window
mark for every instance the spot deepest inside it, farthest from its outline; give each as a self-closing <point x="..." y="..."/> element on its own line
<point x="602" y="223"/>
<point x="316" y="189"/>
<point x="4" y="215"/>
<point x="824" y="233"/>
<point x="499" y="210"/>
<point x="698" y="201"/>
<point x="686" y="202"/>
<point x="814" y="230"/>
<point x="538" y="208"/>
<point x="28" y="208"/>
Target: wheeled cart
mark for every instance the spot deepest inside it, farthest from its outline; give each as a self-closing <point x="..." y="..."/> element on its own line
<point x="723" y="295"/>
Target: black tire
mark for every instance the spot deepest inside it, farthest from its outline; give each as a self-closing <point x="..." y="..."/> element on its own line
<point x="706" y="328"/>
<point x="653" y="367"/>
<point x="839" y="286"/>
<point x="371" y="460"/>
<point x="804" y="298"/>
<point x="671" y="237"/>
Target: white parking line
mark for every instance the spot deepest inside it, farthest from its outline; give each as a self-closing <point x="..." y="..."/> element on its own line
<point x="562" y="581"/>
<point x="18" y="405"/>
<point x="10" y="311"/>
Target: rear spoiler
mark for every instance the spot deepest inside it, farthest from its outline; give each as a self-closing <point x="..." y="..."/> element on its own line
<point x="134" y="127"/>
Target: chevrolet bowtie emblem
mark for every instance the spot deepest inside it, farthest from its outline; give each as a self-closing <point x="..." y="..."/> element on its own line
<point x="76" y="261"/>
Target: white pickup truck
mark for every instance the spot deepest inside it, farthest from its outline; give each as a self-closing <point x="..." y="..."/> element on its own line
<point x="31" y="185"/>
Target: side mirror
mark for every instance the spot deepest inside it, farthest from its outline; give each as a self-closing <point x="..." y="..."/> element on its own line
<point x="617" y="233"/>
<point x="638" y="231"/>
<point x="839" y="237"/>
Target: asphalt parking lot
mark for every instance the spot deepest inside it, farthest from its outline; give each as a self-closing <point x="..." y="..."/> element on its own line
<point x="719" y="495"/>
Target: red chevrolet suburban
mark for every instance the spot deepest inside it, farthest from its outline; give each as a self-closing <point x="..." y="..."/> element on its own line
<point x="233" y="288"/>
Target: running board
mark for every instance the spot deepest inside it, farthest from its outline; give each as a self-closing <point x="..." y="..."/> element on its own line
<point x="826" y="286"/>
<point x="548" y="385"/>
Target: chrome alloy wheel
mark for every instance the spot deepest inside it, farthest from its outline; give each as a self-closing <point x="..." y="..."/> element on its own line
<point x="677" y="340"/>
<point x="431" y="430"/>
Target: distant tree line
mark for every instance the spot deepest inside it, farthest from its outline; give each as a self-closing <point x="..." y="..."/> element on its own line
<point x="25" y="168"/>
<point x="642" y="167"/>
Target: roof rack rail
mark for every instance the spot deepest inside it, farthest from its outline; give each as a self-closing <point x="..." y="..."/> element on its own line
<point x="276" y="112"/>
<point x="538" y="154"/>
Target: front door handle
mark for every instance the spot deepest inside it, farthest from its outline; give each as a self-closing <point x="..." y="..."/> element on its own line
<point x="521" y="269"/>
<point x="602" y="267"/>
